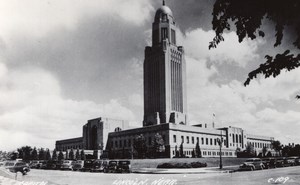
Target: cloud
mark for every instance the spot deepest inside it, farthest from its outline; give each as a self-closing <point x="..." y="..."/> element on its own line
<point x="33" y="111"/>
<point x="38" y="17"/>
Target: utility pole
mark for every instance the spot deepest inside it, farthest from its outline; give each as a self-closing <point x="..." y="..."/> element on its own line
<point x="220" y="141"/>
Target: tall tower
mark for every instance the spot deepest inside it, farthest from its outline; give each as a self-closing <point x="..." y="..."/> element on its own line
<point x="164" y="73"/>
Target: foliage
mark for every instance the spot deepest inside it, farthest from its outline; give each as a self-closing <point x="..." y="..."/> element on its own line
<point x="248" y="16"/>
<point x="25" y="153"/>
<point x="77" y="155"/>
<point x="276" y="145"/>
<point x="269" y="154"/>
<point x="54" y="155"/>
<point x="181" y="154"/>
<point x="48" y="155"/>
<point x="60" y="156"/>
<point x="71" y="154"/>
<point x="67" y="154"/>
<point x="34" y="154"/>
<point x="42" y="154"/>
<point x="139" y="144"/>
<point x="82" y="155"/>
<point x="250" y="150"/>
<point x="182" y="165"/>
<point x="264" y="151"/>
<point x="198" y="151"/>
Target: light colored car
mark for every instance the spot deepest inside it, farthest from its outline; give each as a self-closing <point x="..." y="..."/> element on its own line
<point x="17" y="166"/>
<point x="252" y="164"/>
<point x="66" y="165"/>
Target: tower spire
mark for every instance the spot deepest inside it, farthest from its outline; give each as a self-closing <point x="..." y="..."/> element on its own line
<point x="164" y="3"/>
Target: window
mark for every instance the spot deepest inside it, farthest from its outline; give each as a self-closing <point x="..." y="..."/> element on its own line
<point x="206" y="141"/>
<point x="187" y="139"/>
<point x="164" y="33"/>
<point x="173" y="36"/>
<point x="193" y="140"/>
<point x="202" y="140"/>
<point x="129" y="142"/>
<point x="125" y="143"/>
<point x="174" y="138"/>
<point x="198" y="140"/>
<point x="233" y="138"/>
<point x="182" y="139"/>
<point x="215" y="141"/>
<point x="237" y="138"/>
<point x="211" y="142"/>
<point x="240" y="138"/>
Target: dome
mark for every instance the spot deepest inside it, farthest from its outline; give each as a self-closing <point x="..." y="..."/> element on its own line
<point x="164" y="10"/>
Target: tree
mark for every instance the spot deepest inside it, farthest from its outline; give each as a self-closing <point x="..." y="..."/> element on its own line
<point x="198" y="151"/>
<point x="82" y="155"/>
<point x="247" y="15"/>
<point x="25" y="153"/>
<point x="54" y="155"/>
<point x="250" y="151"/>
<point x="276" y="145"/>
<point x="269" y="154"/>
<point x="77" y="156"/>
<point x="139" y="144"/>
<point x="60" y="156"/>
<point x="34" y="155"/>
<point x="71" y="154"/>
<point x="176" y="152"/>
<point x="181" y="154"/>
<point x="42" y="154"/>
<point x="158" y="144"/>
<point x="264" y="151"/>
<point x="67" y="154"/>
<point x="48" y="155"/>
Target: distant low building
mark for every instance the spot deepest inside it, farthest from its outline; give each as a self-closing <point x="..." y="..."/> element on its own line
<point x="94" y="135"/>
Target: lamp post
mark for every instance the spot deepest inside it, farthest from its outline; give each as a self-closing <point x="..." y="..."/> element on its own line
<point x="220" y="141"/>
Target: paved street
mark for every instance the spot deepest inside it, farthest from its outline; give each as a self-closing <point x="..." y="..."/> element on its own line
<point x="289" y="175"/>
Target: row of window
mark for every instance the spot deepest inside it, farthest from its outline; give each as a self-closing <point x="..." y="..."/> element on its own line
<point x="128" y="142"/>
<point x="236" y="138"/>
<point x="207" y="153"/>
<point x="69" y="147"/>
<point x="208" y="141"/>
<point x="260" y="145"/>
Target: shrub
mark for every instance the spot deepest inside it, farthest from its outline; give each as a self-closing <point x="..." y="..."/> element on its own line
<point x="182" y="165"/>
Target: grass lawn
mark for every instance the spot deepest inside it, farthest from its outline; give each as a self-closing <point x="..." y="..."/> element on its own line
<point x="211" y="162"/>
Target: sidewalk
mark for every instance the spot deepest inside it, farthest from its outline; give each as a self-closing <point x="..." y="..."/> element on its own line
<point x="226" y="169"/>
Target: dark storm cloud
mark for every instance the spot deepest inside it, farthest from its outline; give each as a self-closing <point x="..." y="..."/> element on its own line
<point x="94" y="57"/>
<point x="191" y="14"/>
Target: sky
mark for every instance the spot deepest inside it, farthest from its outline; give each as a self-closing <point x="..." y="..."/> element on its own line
<point x="63" y="62"/>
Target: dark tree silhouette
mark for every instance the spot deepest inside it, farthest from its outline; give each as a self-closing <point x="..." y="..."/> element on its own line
<point x="34" y="154"/>
<point x="60" y="156"/>
<point x="139" y="144"/>
<point x="71" y="154"/>
<point x="247" y="15"/>
<point x="54" y="155"/>
<point x="42" y="154"/>
<point x="181" y="154"/>
<point x="276" y="145"/>
<point x="48" y="155"/>
<point x="158" y="144"/>
<point x="198" y="151"/>
<point x="77" y="155"/>
<point x="82" y="155"/>
<point x="25" y="153"/>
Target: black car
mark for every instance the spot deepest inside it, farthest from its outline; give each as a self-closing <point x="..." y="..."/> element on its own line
<point x="269" y="162"/>
<point x="17" y="166"/>
<point x="99" y="165"/>
<point x="87" y="165"/>
<point x="111" y="167"/>
<point x="124" y="167"/>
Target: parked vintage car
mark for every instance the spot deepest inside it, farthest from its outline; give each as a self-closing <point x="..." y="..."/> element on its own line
<point x="124" y="167"/>
<point x="269" y="162"/>
<point x="283" y="162"/>
<point x="77" y="165"/>
<point x="252" y="164"/>
<point x="17" y="166"/>
<point x="66" y="165"/>
<point x="111" y="167"/>
<point x="99" y="165"/>
<point x="292" y="161"/>
<point x="87" y="165"/>
<point x="35" y="164"/>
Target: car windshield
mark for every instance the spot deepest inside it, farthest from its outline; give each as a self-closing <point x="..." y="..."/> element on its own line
<point x="249" y="160"/>
<point x="9" y="164"/>
<point x="66" y="162"/>
<point x="20" y="164"/>
<point x="113" y="162"/>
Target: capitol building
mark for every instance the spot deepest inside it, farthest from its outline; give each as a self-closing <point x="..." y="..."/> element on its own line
<point x="165" y="109"/>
